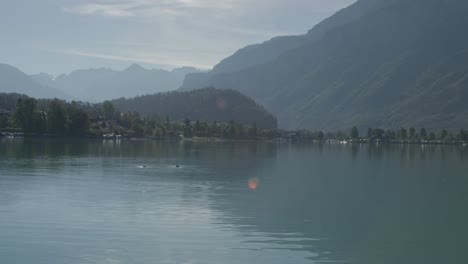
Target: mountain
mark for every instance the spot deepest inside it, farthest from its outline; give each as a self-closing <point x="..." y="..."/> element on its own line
<point x="12" y="80"/>
<point x="43" y="79"/>
<point x="270" y="50"/>
<point x="376" y="63"/>
<point x="104" y="84"/>
<point x="207" y="104"/>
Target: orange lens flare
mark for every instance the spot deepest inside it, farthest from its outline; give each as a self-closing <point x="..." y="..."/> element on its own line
<point x="221" y="103"/>
<point x="253" y="183"/>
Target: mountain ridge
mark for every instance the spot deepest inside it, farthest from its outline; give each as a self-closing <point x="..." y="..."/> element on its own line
<point x="373" y="70"/>
<point x="13" y="80"/>
<point x="208" y="105"/>
<point x="101" y="84"/>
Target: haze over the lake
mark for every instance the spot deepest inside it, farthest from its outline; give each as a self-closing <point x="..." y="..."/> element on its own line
<point x="59" y="36"/>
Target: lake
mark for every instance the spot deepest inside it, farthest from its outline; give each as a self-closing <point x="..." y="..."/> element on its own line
<point x="94" y="201"/>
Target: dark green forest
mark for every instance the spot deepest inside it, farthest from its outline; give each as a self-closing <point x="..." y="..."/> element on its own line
<point x="39" y="117"/>
<point x="207" y="113"/>
<point x="206" y="105"/>
<point x="54" y="117"/>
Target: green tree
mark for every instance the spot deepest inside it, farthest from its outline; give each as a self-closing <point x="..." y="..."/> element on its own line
<point x="197" y="129"/>
<point x="252" y="132"/>
<point x="157" y="133"/>
<point x="40" y="122"/>
<point x="168" y="123"/>
<point x="108" y="110"/>
<point x="390" y="135"/>
<point x="78" y="123"/>
<point x="403" y="134"/>
<point x="230" y="130"/>
<point x="215" y="130"/>
<point x="369" y="133"/>
<point x="463" y="135"/>
<point x="24" y="113"/>
<point x="378" y="134"/>
<point x="163" y="130"/>
<point x="56" y="117"/>
<point x="423" y="133"/>
<point x="188" y="132"/>
<point x="187" y="122"/>
<point x="340" y="135"/>
<point x="354" y="133"/>
<point x="320" y="136"/>
<point x="3" y="121"/>
<point x="204" y="129"/>
<point x="412" y="133"/>
<point x="443" y="134"/>
<point x="138" y="129"/>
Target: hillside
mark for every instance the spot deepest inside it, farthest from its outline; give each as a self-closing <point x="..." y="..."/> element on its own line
<point x="270" y="50"/>
<point x="205" y="105"/>
<point x="376" y="63"/>
<point x="12" y="80"/>
<point x="8" y="101"/>
<point x="104" y="84"/>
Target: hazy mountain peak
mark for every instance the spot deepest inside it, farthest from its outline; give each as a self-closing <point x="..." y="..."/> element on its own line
<point x="13" y="80"/>
<point x="135" y="67"/>
<point x="104" y="83"/>
<point x="44" y="79"/>
<point x="46" y="75"/>
<point x="8" y="67"/>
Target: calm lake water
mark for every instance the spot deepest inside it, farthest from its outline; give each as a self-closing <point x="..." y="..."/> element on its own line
<point x="127" y="202"/>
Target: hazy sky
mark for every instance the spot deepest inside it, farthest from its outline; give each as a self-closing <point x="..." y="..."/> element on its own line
<point x="58" y="36"/>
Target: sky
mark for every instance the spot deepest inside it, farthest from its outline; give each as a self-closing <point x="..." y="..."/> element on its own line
<point x="59" y="36"/>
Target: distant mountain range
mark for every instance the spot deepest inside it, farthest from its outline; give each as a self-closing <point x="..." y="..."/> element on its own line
<point x="207" y="104"/>
<point x="92" y="85"/>
<point x="376" y="63"/>
<point x="104" y="84"/>
<point x="13" y="80"/>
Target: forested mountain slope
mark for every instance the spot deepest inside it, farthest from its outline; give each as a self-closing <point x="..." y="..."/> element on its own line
<point x="383" y="63"/>
<point x="207" y="105"/>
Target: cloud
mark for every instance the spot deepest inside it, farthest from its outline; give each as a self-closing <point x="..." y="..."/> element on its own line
<point x="102" y="9"/>
<point x="174" y="33"/>
<point x="165" y="60"/>
<point x="125" y="8"/>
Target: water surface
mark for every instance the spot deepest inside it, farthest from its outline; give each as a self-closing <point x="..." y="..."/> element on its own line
<point x="128" y="202"/>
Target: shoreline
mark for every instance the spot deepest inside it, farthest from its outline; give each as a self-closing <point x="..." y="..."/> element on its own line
<point x="19" y="135"/>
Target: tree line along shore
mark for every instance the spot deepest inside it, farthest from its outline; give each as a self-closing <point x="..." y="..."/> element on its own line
<point x="57" y="118"/>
